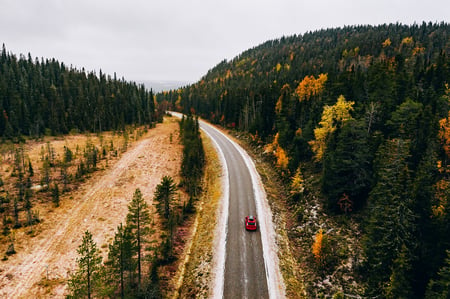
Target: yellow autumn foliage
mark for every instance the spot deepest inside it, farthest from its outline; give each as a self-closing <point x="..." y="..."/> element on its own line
<point x="271" y="147"/>
<point x="407" y="40"/>
<point x="282" y="158"/>
<point x="444" y="127"/>
<point x="297" y="183"/>
<point x="278" y="67"/>
<point x="279" y="153"/>
<point x="338" y="113"/>
<point x="278" y="105"/>
<point x="387" y="43"/>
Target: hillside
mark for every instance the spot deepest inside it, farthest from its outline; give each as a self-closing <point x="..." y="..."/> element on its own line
<point x="356" y="121"/>
<point x="46" y="97"/>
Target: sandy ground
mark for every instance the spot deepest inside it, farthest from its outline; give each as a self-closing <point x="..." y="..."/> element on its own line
<point x="43" y="262"/>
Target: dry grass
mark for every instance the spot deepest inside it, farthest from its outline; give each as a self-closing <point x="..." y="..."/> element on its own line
<point x="98" y="204"/>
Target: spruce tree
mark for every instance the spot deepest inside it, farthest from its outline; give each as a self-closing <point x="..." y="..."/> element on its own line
<point x="391" y="225"/>
<point x="347" y="165"/>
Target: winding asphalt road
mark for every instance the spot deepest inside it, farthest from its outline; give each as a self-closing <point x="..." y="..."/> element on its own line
<point x="245" y="273"/>
<point x="246" y="263"/>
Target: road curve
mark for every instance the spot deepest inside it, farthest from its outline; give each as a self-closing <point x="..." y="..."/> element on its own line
<point x="245" y="273"/>
<point x="246" y="262"/>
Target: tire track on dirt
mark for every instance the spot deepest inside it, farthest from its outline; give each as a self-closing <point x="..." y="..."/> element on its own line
<point x="90" y="206"/>
<point x="42" y="253"/>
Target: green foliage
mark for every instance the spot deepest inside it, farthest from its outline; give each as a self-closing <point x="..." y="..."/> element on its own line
<point x="68" y="155"/>
<point x="47" y="97"/>
<point x="347" y="166"/>
<point x="193" y="161"/>
<point x="121" y="263"/>
<point x="85" y="282"/>
<point x="164" y="194"/>
<point x="138" y="221"/>
<point x="397" y="76"/>
<point x="399" y="285"/>
<point x="440" y="288"/>
<point x="55" y="195"/>
<point x="389" y="240"/>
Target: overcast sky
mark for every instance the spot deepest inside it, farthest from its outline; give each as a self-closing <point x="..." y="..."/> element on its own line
<point x="181" y="39"/>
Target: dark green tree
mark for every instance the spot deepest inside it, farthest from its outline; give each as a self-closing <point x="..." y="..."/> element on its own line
<point x="164" y="194"/>
<point x="138" y="221"/>
<point x="120" y="258"/>
<point x="30" y="169"/>
<point x="391" y="224"/>
<point x="55" y="195"/>
<point x="347" y="165"/>
<point x="84" y="283"/>
<point x="399" y="285"/>
<point x="193" y="155"/>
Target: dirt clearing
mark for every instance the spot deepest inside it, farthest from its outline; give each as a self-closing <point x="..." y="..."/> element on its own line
<point x="43" y="262"/>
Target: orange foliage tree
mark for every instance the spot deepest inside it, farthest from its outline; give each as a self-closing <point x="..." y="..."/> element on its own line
<point x="317" y="246"/>
<point x="279" y="153"/>
<point x="310" y="86"/>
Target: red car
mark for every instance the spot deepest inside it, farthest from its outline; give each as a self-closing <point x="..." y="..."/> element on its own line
<point x="250" y="223"/>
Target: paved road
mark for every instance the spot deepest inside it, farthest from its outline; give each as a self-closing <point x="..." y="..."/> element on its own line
<point x="245" y="273"/>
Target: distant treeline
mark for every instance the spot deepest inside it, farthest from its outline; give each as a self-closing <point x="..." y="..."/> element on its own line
<point x="40" y="97"/>
<point x="366" y="110"/>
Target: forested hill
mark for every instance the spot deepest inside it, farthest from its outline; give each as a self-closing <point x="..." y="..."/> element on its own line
<point x="40" y="97"/>
<point x="366" y="110"/>
<point x="243" y="92"/>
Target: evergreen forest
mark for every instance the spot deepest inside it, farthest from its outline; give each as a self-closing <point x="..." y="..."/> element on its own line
<point x="46" y="97"/>
<point x="359" y="118"/>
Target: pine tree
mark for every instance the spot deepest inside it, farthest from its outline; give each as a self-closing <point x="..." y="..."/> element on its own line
<point x="164" y="194"/>
<point x="30" y="169"/>
<point x="84" y="283"/>
<point x="138" y="220"/>
<point x="120" y="257"/>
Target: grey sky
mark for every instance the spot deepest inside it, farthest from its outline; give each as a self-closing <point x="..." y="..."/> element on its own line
<point x="181" y="39"/>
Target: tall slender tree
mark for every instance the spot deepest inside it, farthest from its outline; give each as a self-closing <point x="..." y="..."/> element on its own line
<point x="138" y="221"/>
<point x="120" y="257"/>
<point x="389" y="242"/>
